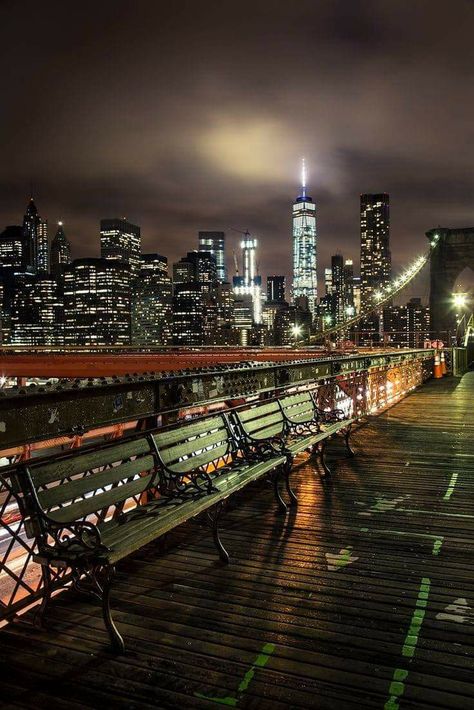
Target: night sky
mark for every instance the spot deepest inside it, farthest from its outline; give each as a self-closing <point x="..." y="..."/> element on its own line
<point x="194" y="115"/>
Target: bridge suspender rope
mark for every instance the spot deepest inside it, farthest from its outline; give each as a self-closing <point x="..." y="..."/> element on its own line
<point x="381" y="297"/>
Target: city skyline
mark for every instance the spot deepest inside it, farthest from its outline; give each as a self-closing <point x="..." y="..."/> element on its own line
<point x="371" y="110"/>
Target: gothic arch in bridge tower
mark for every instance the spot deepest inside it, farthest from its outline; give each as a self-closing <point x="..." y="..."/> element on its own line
<point x="454" y="251"/>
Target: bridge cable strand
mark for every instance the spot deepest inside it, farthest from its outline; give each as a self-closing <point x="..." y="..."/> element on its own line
<point x="383" y="296"/>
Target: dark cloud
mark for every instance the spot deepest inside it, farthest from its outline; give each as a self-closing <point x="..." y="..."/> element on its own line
<point x="195" y="115"/>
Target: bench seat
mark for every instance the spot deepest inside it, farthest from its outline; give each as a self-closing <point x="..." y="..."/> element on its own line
<point x="89" y="509"/>
<point x="140" y="526"/>
<point x="303" y="442"/>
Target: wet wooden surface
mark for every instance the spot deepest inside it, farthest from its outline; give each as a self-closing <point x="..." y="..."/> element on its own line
<point x="361" y="597"/>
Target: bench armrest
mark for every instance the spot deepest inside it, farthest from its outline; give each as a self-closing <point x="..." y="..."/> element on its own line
<point x="334" y="415"/>
<point x="80" y="536"/>
<point x="264" y="448"/>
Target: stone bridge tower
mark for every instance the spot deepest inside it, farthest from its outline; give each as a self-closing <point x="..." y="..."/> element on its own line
<point x="455" y="251"/>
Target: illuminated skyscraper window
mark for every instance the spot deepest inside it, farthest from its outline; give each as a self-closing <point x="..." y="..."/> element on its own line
<point x="42" y="255"/>
<point x="305" y="282"/>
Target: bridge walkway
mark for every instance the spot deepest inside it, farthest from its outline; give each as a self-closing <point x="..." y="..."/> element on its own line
<point x="362" y="598"/>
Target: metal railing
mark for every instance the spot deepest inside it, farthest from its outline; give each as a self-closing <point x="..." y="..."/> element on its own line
<point x="360" y="388"/>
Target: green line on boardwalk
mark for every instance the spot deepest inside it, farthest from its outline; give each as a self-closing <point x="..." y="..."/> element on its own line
<point x="259" y="662"/>
<point x="397" y="686"/>
<point x="451" y="487"/>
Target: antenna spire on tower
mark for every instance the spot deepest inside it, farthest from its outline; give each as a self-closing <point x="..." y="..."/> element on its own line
<point x="303" y="177"/>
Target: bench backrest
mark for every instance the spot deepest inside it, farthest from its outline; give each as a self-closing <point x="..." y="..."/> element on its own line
<point x="298" y="408"/>
<point x="262" y="421"/>
<point x="196" y="445"/>
<point x="81" y="484"/>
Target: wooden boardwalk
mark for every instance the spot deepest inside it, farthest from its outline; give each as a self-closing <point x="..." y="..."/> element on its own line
<point x="363" y="597"/>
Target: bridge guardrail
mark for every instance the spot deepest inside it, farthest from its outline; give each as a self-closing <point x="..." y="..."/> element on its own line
<point x="365" y="387"/>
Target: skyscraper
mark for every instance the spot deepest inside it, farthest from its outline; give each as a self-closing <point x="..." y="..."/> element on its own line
<point x="14" y="249"/>
<point x="214" y="243"/>
<point x="194" y="299"/>
<point x="337" y="269"/>
<point x="276" y="289"/>
<point x="60" y="251"/>
<point x="97" y="302"/>
<point x="375" y="258"/>
<point x="151" y="302"/>
<point x="36" y="237"/>
<point x="250" y="283"/>
<point x="121" y="240"/>
<point x="305" y="281"/>
<point x="37" y="311"/>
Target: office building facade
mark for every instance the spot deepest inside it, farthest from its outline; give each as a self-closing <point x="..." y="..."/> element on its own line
<point x="97" y="302"/>
<point x="60" y="252"/>
<point x="214" y="243"/>
<point x="375" y="257"/>
<point x="151" y="307"/>
<point x="120" y="240"/>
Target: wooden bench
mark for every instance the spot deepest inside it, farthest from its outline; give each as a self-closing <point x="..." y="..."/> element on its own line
<point x="90" y="509"/>
<point x="296" y="421"/>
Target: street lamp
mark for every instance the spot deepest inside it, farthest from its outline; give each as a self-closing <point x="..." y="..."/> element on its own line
<point x="459" y="299"/>
<point x="350" y="311"/>
<point x="296" y="330"/>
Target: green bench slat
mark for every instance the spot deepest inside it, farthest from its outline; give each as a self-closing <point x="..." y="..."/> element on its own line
<point x="57" y="470"/>
<point x="194" y="462"/>
<point x="299" y="398"/>
<point x="268" y="432"/>
<point x="130" y="536"/>
<point x="301" y="407"/>
<point x="173" y="436"/>
<point x="299" y="410"/>
<point x="302" y="418"/>
<point x="258" y="411"/>
<point x="99" y="501"/>
<point x="69" y="491"/>
<point x="186" y="447"/>
<point x="254" y="425"/>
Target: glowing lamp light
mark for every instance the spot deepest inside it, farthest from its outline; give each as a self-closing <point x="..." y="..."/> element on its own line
<point x="350" y="310"/>
<point x="378" y="296"/>
<point x="327" y="319"/>
<point x="459" y="299"/>
<point x="296" y="330"/>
